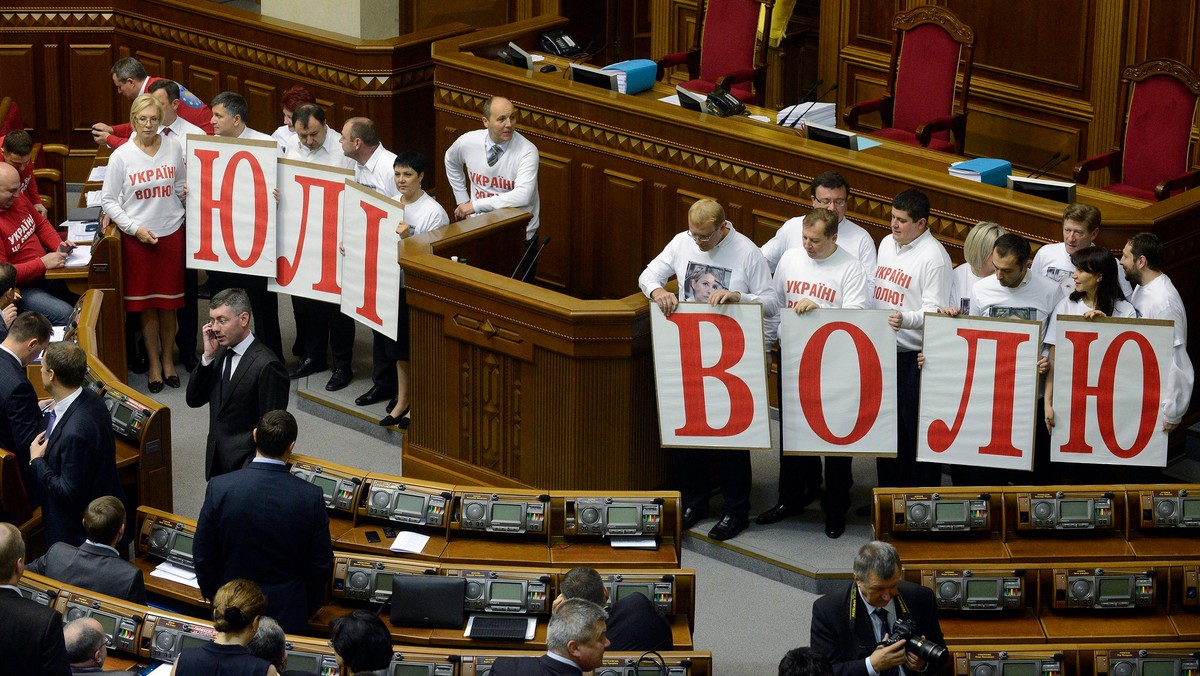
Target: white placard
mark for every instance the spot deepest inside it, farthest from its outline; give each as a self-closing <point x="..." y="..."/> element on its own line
<point x="310" y="227"/>
<point x="371" y="268"/>
<point x="231" y="205"/>
<point x="979" y="391"/>
<point x="838" y="376"/>
<point x="711" y="374"/>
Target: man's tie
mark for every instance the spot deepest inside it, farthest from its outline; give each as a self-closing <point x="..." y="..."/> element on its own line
<point x="494" y="155"/>
<point x="50" y="419"/>
<point x="885" y="628"/>
<point x="227" y="372"/>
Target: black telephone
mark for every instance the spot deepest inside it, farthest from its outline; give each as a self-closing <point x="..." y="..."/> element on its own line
<point x="558" y="43"/>
<point x="723" y="104"/>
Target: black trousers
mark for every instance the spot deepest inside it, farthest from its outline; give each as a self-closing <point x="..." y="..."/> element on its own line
<point x="188" y="316"/>
<point x="694" y="469"/>
<point x="325" y="325"/>
<point x="800" y="474"/>
<point x="904" y="471"/>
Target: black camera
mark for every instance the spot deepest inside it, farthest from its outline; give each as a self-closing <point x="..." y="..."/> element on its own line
<point x="906" y="630"/>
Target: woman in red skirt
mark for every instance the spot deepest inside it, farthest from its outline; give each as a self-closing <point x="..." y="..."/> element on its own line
<point x="143" y="194"/>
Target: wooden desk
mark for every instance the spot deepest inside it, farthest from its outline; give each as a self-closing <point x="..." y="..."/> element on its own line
<point x="1098" y="627"/>
<point x="472" y="551"/>
<point x="355" y="539"/>
<point x="168" y="588"/>
<point x="1003" y="627"/>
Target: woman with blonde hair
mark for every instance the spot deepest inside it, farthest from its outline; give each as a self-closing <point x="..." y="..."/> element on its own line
<point x="237" y="606"/>
<point x="977" y="250"/>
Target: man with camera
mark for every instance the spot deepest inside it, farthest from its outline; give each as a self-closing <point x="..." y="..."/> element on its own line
<point x="880" y="626"/>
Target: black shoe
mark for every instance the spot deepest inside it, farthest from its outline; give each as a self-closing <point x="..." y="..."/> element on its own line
<point x="728" y="527"/>
<point x="172" y="382"/>
<point x="306" y="367"/>
<point x="835" y="525"/>
<point x="693" y="516"/>
<point x="203" y="291"/>
<point x="139" y="364"/>
<point x="339" y="380"/>
<point x="399" y="420"/>
<point x="156" y="386"/>
<point x="373" y="396"/>
<point x="392" y="404"/>
<point x="778" y="513"/>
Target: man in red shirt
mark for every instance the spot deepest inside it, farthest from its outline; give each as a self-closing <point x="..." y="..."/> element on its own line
<point x="131" y="79"/>
<point x="30" y="244"/>
<point x="17" y="149"/>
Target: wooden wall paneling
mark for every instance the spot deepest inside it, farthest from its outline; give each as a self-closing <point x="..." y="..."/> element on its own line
<point x="91" y="104"/>
<point x="662" y="228"/>
<point x="1107" y="61"/>
<point x="558" y="222"/>
<point x="52" y="96"/>
<point x="1024" y="139"/>
<point x="675" y="31"/>
<point x="263" y="101"/>
<point x="205" y="83"/>
<point x="19" y="58"/>
<point x="1040" y="55"/>
<point x="623" y="198"/>
<point x="588" y="224"/>
<point x="1166" y="29"/>
<point x="156" y="64"/>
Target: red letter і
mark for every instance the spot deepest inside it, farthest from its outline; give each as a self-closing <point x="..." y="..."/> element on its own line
<point x="369" y="309"/>
<point x="733" y="346"/>
<point x="870" y="393"/>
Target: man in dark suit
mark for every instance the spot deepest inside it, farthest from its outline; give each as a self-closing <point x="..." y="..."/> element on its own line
<point x="239" y="378"/>
<point x="87" y="647"/>
<point x="96" y="565"/>
<point x="31" y="635"/>
<point x="575" y="643"/>
<point x="849" y="628"/>
<point x="265" y="525"/>
<point x="75" y="459"/>
<point x="633" y="622"/>
<point x="22" y="420"/>
<point x="9" y="295"/>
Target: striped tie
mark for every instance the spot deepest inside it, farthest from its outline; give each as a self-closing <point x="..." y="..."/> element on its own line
<point x="494" y="155"/>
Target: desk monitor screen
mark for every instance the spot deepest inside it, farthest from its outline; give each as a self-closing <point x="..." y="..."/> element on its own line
<point x="953" y="511"/>
<point x="1159" y="667"/>
<point x="594" y="77"/>
<point x="625" y="589"/>
<point x="327" y="485"/>
<point x="109" y="622"/>
<point x="506" y="513"/>
<point x="624" y="517"/>
<point x="1074" y="510"/>
<point x="410" y="504"/>
<point x="831" y="135"/>
<point x="1058" y="191"/>
<point x="506" y="593"/>
<point x="183" y="545"/>
<point x="1191" y="508"/>
<point x="406" y="670"/>
<point x="1117" y="587"/>
<point x="985" y="589"/>
<point x="1021" y="668"/>
<point x="383" y="585"/>
<point x="520" y="57"/>
<point x="304" y="662"/>
<point x="192" y="641"/>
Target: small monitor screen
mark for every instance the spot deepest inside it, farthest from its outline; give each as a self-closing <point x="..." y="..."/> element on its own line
<point x="1074" y="509"/>
<point x="594" y="77"/>
<point x="1191" y="508"/>
<point x="408" y="670"/>
<point x="507" y="592"/>
<point x="950" y="512"/>
<point x="624" y="590"/>
<point x="183" y="544"/>
<point x="304" y="662"/>
<point x="107" y="621"/>
<point x="191" y="641"/>
<point x="507" y="513"/>
<point x="1016" y="668"/>
<point x="1115" y="586"/>
<point x="407" y="503"/>
<point x="831" y="136"/>
<point x="623" y="516"/>
<point x="983" y="589"/>
<point x="327" y="485"/>
<point x="123" y="414"/>
<point x="1158" y="667"/>
<point x="383" y="582"/>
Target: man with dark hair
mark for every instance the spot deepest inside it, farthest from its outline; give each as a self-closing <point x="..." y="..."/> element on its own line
<point x="362" y="643"/>
<point x="320" y="324"/>
<point x="575" y="643"/>
<point x="17" y="149"/>
<point x="87" y="647"/>
<point x="633" y="621"/>
<point x="9" y="295"/>
<point x="96" y="564"/>
<point x="131" y="80"/>
<point x="1156" y="297"/>
<point x="173" y="125"/>
<point x="239" y="378"/>
<point x="265" y="525"/>
<point x="850" y="628"/>
<point x="913" y="277"/>
<point x="804" y="662"/>
<point x="31" y="244"/>
<point x="75" y="458"/>
<point x="31" y="635"/>
<point x="22" y="420"/>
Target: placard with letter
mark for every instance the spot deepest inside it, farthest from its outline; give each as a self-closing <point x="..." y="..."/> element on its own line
<point x="370" y="273"/>
<point x="310" y="228"/>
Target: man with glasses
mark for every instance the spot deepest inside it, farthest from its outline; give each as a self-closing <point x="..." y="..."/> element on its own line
<point x="713" y="261"/>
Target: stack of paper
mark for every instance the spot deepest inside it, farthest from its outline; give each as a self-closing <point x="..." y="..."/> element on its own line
<point x="174" y="573"/>
<point x="80" y="231"/>
<point x="820" y="113"/>
<point x="97" y="174"/>
<point x="80" y="256"/>
<point x="93" y="198"/>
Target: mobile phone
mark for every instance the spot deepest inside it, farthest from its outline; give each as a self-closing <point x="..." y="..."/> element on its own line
<point x="373" y="537"/>
<point x="388" y="531"/>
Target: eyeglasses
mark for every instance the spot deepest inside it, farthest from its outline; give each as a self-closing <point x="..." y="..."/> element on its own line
<point x="830" y="202"/>
<point x="148" y="120"/>
<point x="705" y="239"/>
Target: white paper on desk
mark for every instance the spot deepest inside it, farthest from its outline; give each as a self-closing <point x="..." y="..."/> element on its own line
<point x="408" y="541"/>
<point x="163" y="669"/>
<point x="536" y="57"/>
<point x="57" y="334"/>
<point x="93" y="198"/>
<point x="633" y="542"/>
<point x="673" y="99"/>
<point x="174" y="573"/>
<point x="80" y="256"/>
<point x="97" y="174"/>
<point x="80" y="231"/>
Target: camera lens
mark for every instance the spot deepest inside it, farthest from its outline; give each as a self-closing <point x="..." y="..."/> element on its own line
<point x="926" y="650"/>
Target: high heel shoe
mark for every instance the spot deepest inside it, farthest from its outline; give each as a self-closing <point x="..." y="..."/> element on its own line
<point x="401" y="420"/>
<point x="172" y="381"/>
<point x="156" y="386"/>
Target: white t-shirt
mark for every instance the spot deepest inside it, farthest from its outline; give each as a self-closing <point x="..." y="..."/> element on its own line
<point x="962" y="281"/>
<point x="1066" y="306"/>
<point x="328" y="153"/>
<point x="1160" y="300"/>
<point x="512" y="182"/>
<point x="735" y="262"/>
<point x="378" y="173"/>
<point x="913" y="279"/>
<point x="1035" y="298"/>
<point x="425" y="214"/>
<point x="851" y="237"/>
<point x="284" y="137"/>
<point x="1053" y="262"/>
<point x="836" y="281"/>
<point x="142" y="191"/>
<point x="179" y="130"/>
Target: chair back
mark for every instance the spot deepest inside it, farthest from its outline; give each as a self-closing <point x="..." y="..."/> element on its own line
<point x="728" y="37"/>
<point x="1158" y="129"/>
<point x="930" y="44"/>
<point x="13" y="499"/>
<point x="10" y="116"/>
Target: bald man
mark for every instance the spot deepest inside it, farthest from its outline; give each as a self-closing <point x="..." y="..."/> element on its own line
<point x="31" y="635"/>
<point x="29" y="242"/>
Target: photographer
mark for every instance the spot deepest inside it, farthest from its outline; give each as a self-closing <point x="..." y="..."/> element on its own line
<point x="880" y="626"/>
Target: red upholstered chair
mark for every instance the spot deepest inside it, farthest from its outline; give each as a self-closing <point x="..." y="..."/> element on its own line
<point x="726" y="31"/>
<point x="932" y="46"/>
<point x="1151" y="159"/>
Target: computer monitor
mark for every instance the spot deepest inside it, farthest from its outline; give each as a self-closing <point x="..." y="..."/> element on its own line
<point x="1057" y="191"/>
<point x="831" y="135"/>
<point x="520" y="57"/>
<point x="594" y="77"/>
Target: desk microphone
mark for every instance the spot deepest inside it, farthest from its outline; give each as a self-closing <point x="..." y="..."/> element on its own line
<point x="525" y="277"/>
<point x="1045" y="164"/>
<point x="803" y="99"/>
<point x="810" y="106"/>
<point x="1060" y="160"/>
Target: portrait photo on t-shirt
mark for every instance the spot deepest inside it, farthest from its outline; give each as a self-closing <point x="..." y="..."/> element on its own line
<point x="1003" y="312"/>
<point x="703" y="279"/>
<point x="1057" y="274"/>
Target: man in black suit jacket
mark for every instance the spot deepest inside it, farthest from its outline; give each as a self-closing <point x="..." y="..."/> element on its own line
<point x="77" y="461"/>
<point x="575" y="643"/>
<point x="265" y="525"/>
<point x="22" y="421"/>
<point x="633" y="623"/>
<point x="848" y="630"/>
<point x="239" y="378"/>
<point x="31" y="635"/>
<point x="86" y="647"/>
<point x="96" y="565"/>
